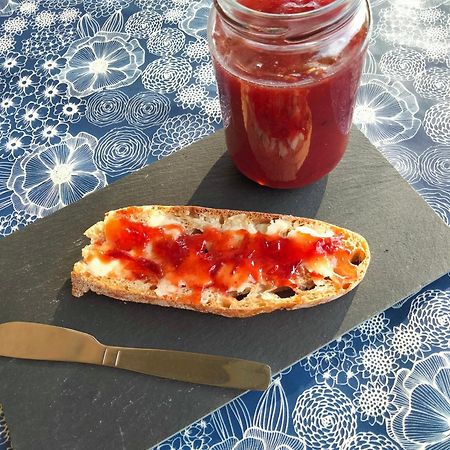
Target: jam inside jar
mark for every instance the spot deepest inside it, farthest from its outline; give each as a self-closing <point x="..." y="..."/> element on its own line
<point x="287" y="73"/>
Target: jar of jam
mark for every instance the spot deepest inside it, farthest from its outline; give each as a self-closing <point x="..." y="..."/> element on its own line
<point x="287" y="73"/>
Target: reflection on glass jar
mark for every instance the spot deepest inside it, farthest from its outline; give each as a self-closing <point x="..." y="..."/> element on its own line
<point x="289" y="84"/>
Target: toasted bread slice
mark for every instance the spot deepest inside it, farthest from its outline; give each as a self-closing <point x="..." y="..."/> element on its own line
<point x="232" y="263"/>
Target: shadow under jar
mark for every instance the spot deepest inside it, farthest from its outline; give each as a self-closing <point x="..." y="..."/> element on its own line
<point x="287" y="73"/>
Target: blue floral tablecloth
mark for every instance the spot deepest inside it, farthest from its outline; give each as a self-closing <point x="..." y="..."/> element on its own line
<point x="91" y="90"/>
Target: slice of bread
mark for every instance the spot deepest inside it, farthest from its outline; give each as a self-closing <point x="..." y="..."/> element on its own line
<point x="338" y="263"/>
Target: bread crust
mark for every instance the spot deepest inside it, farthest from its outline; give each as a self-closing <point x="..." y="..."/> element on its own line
<point x="226" y="305"/>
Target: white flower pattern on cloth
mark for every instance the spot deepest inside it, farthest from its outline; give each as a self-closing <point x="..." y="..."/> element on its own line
<point x="6" y="167"/>
<point x="16" y="25"/>
<point x="12" y="63"/>
<point x="167" y="75"/>
<point x="14" y="145"/>
<point x="178" y="132"/>
<point x="402" y="63"/>
<point x="407" y="342"/>
<point x="261" y="439"/>
<point x="436" y="123"/>
<point x="439" y="200"/>
<point x="143" y="24"/>
<point x="329" y="356"/>
<point x="324" y="417"/>
<point x="370" y="441"/>
<point x="167" y="41"/>
<point x="430" y="313"/>
<point x="104" y="61"/>
<point x="422" y="399"/>
<point x="373" y="329"/>
<point x="434" y="166"/>
<point x="196" y="19"/>
<point x="122" y="150"/>
<point x="28" y="7"/>
<point x="433" y="83"/>
<point x="54" y="176"/>
<point x="197" y="51"/>
<point x="376" y="362"/>
<point x="13" y="222"/>
<point x="210" y="108"/>
<point x="147" y="109"/>
<point x="7" y="7"/>
<point x="385" y="111"/>
<point x="31" y="116"/>
<point x="102" y="8"/>
<point x="106" y="108"/>
<point x="373" y="401"/>
<point x="404" y="160"/>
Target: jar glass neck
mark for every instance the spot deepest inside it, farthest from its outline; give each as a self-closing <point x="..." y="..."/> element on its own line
<point x="286" y="28"/>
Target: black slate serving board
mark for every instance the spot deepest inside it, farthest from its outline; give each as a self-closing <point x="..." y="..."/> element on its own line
<point x="70" y="406"/>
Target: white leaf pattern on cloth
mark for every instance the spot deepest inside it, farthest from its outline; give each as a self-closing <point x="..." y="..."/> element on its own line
<point x="272" y="410"/>
<point x="231" y="420"/>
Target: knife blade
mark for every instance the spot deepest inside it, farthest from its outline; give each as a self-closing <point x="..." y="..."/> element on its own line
<point x="27" y="340"/>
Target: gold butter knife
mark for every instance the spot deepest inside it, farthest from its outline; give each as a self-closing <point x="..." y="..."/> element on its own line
<point x="28" y="340"/>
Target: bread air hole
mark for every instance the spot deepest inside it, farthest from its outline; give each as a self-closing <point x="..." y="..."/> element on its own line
<point x="284" y="292"/>
<point x="357" y="257"/>
<point x="197" y="231"/>
<point x="226" y="303"/>
<point x="239" y="296"/>
<point x="308" y="286"/>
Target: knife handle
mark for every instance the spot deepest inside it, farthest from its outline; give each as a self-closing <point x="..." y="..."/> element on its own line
<point x="191" y="367"/>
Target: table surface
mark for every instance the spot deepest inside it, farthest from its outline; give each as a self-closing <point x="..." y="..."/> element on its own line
<point x="58" y="120"/>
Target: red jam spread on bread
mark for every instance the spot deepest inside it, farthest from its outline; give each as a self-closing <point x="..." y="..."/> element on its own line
<point x="222" y="260"/>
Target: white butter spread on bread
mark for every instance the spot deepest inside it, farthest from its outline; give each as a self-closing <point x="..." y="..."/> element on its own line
<point x="232" y="263"/>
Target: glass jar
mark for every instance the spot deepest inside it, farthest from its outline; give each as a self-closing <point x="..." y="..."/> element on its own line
<point x="287" y="85"/>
